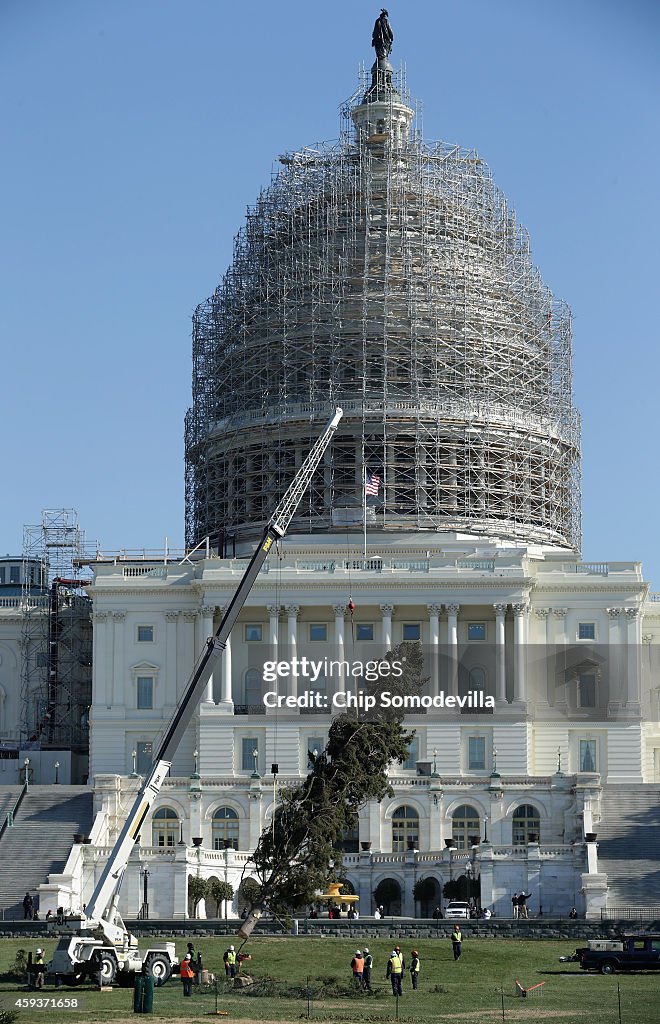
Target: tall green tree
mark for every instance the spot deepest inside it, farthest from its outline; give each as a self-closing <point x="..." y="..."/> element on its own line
<point x="292" y="858"/>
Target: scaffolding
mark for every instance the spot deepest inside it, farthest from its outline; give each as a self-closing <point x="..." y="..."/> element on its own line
<point x="389" y="276"/>
<point x="56" y="635"/>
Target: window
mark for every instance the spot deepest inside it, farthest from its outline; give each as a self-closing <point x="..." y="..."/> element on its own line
<point x="526" y="824"/>
<point x="587" y="690"/>
<point x="587" y="756"/>
<point x="410" y="764"/>
<point x="318" y="631"/>
<point x="249" y="762"/>
<point x="315" y="746"/>
<point x="253" y="632"/>
<point x="224" y="829"/>
<point x="476" y="631"/>
<point x="405" y="829"/>
<point x="364" y="631"/>
<point x="2" y="574"/>
<point x="476" y="753"/>
<point x="465" y="827"/>
<point x="145" y="693"/>
<point x="586" y="630"/>
<point x="253" y="689"/>
<point x="145" y="634"/>
<point x="165" y="827"/>
<point x="14" y="574"/>
<point x="145" y="754"/>
<point x="412" y="631"/>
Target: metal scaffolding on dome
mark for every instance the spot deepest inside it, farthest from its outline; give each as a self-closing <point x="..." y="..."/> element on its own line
<point x="56" y="634"/>
<point x="389" y="276"/>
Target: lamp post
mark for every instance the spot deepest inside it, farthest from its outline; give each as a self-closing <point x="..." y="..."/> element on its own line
<point x="435" y="766"/>
<point x="195" y="773"/>
<point x="485" y="828"/>
<point x="57" y="772"/>
<point x="181" y="839"/>
<point x="144" y="913"/>
<point x="26" y="768"/>
<point x="468" y="873"/>
<point x="255" y="756"/>
<point x="134" y="756"/>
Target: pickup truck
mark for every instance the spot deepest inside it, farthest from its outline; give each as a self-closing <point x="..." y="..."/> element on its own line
<point x="639" y="952"/>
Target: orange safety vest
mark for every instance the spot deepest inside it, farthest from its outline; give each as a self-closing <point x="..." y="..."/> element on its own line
<point x="185" y="970"/>
<point x="358" y="964"/>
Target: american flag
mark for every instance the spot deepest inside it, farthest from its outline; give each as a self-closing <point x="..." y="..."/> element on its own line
<point x="371" y="483"/>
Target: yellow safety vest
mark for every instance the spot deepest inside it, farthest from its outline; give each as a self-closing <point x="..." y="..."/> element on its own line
<point x="395" y="961"/>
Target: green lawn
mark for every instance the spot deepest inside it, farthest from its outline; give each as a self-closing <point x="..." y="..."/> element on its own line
<point x="466" y="992"/>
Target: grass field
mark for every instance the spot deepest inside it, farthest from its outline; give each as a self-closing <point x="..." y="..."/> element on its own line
<point x="478" y="989"/>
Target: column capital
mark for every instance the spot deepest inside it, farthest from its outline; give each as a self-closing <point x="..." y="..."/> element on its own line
<point x="542" y="613"/>
<point x="339" y="610"/>
<point x="292" y="610"/>
<point x="119" y="616"/>
<point x="500" y="609"/>
<point x="172" y="616"/>
<point x="452" y="609"/>
<point x="631" y="613"/>
<point x="386" y="609"/>
<point x="520" y="609"/>
<point x="208" y="610"/>
<point x="434" y="609"/>
<point x="100" y="616"/>
<point x="273" y="610"/>
<point x="614" y="612"/>
<point x="647" y="638"/>
<point x="189" y="616"/>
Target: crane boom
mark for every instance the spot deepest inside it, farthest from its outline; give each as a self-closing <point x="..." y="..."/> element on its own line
<point x="276" y="527"/>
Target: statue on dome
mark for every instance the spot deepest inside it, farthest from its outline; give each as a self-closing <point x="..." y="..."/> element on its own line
<point x="382" y="36"/>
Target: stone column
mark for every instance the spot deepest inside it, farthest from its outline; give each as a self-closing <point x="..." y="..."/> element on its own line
<point x="452" y="648"/>
<point x="292" y="611"/>
<point x="542" y="669"/>
<point x="519" y="637"/>
<point x="117" y="672"/>
<point x="171" y="619"/>
<point x="500" y="653"/>
<point x="615" y="673"/>
<point x="102" y="654"/>
<point x="434" y="646"/>
<point x="226" y="694"/>
<point x="559" y="646"/>
<point x="273" y="629"/>
<point x="339" y="682"/>
<point x="205" y="631"/>
<point x="634" y="641"/>
<point x="190" y="653"/>
<point x="386" y="611"/>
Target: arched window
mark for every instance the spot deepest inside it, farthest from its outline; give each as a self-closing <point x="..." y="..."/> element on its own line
<point x="224" y="833"/>
<point x="465" y="826"/>
<point x="526" y="823"/>
<point x="405" y="829"/>
<point x="164" y="827"/>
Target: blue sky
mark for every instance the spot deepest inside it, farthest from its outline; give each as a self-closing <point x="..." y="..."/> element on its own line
<point x="134" y="133"/>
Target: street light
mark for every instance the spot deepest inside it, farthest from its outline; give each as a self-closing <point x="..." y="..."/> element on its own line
<point x="255" y="755"/>
<point x="26" y="767"/>
<point x="435" y="767"/>
<point x="195" y="774"/>
<point x="468" y="873"/>
<point x="57" y="772"/>
<point x="134" y="756"/>
<point x="181" y="839"/>
<point x="485" y="828"/>
<point x="145" y="893"/>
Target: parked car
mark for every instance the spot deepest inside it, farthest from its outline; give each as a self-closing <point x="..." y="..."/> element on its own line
<point x="638" y="952"/>
<point x="457" y="911"/>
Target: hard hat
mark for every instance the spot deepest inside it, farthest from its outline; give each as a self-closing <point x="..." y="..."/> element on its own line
<point x="187" y="956"/>
<point x="39" y="951"/>
<point x="414" y="953"/>
<point x="366" y="949"/>
<point x="231" y="947"/>
<point x="358" y="952"/>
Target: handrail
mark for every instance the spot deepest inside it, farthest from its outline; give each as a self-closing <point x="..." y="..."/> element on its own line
<point x="12" y="812"/>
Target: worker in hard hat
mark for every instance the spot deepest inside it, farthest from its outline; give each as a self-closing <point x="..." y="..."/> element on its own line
<point x="229" y="958"/>
<point x="38" y="968"/>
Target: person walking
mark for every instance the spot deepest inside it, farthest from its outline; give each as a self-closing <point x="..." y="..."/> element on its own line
<point x="357" y="966"/>
<point x="414" y="968"/>
<point x="38" y="970"/>
<point x="187" y="974"/>
<point x="394" y="972"/>
<point x="368" y="965"/>
<point x="514" y="906"/>
<point x="522" y="904"/>
<point x="456" y="940"/>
